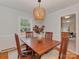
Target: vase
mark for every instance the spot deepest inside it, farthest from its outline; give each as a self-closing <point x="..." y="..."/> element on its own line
<point x="39" y="36"/>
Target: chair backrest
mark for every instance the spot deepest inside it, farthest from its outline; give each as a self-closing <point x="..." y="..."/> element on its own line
<point x="29" y="34"/>
<point x="49" y="35"/>
<point x="64" y="45"/>
<point x="18" y="44"/>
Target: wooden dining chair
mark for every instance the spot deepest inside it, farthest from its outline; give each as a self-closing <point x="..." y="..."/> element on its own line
<point x="22" y="54"/>
<point x="49" y="35"/>
<point x="64" y="45"/>
<point x="29" y="34"/>
<point x="60" y="53"/>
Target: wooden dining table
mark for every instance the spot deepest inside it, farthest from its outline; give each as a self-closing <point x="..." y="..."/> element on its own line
<point x="40" y="47"/>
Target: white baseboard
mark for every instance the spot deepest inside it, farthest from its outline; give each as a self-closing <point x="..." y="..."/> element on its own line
<point x="73" y="51"/>
<point x="8" y="50"/>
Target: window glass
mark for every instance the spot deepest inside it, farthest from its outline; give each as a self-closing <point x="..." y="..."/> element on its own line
<point x="25" y="25"/>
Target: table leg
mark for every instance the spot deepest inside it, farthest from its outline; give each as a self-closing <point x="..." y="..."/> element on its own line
<point x="39" y="57"/>
<point x="33" y="55"/>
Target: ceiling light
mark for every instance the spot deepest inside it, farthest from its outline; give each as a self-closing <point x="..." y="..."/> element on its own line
<point x="39" y="12"/>
<point x="66" y="17"/>
<point x="68" y="21"/>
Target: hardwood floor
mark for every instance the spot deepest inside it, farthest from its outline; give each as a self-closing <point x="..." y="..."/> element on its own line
<point x="77" y="57"/>
<point x="4" y="55"/>
<point x="69" y="56"/>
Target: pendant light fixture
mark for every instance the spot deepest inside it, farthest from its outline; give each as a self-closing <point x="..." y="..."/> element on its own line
<point x="39" y="12"/>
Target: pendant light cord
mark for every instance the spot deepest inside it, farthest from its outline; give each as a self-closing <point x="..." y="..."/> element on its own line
<point x="39" y="1"/>
<point x="39" y="4"/>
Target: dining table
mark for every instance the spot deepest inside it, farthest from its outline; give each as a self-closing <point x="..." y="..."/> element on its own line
<point x="40" y="47"/>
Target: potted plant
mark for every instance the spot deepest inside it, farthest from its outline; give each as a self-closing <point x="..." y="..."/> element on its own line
<point x="39" y="31"/>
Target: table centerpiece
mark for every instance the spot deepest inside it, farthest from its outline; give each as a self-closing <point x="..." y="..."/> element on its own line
<point x="39" y="31"/>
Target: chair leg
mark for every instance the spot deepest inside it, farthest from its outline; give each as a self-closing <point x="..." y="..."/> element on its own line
<point x="18" y="56"/>
<point x="33" y="56"/>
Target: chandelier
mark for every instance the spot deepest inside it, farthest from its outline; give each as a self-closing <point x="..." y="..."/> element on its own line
<point x="39" y="12"/>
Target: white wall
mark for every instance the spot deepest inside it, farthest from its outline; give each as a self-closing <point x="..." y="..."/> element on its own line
<point x="53" y="22"/>
<point x="9" y="24"/>
<point x="73" y="24"/>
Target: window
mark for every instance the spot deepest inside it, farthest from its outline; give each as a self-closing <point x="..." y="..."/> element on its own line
<point x="25" y="25"/>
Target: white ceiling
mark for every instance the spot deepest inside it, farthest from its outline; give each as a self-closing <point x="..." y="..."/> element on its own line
<point x="28" y="5"/>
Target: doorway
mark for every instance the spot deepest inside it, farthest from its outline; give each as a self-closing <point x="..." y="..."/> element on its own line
<point x="68" y="24"/>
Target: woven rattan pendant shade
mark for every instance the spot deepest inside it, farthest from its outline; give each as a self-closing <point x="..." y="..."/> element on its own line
<point x="39" y="12"/>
